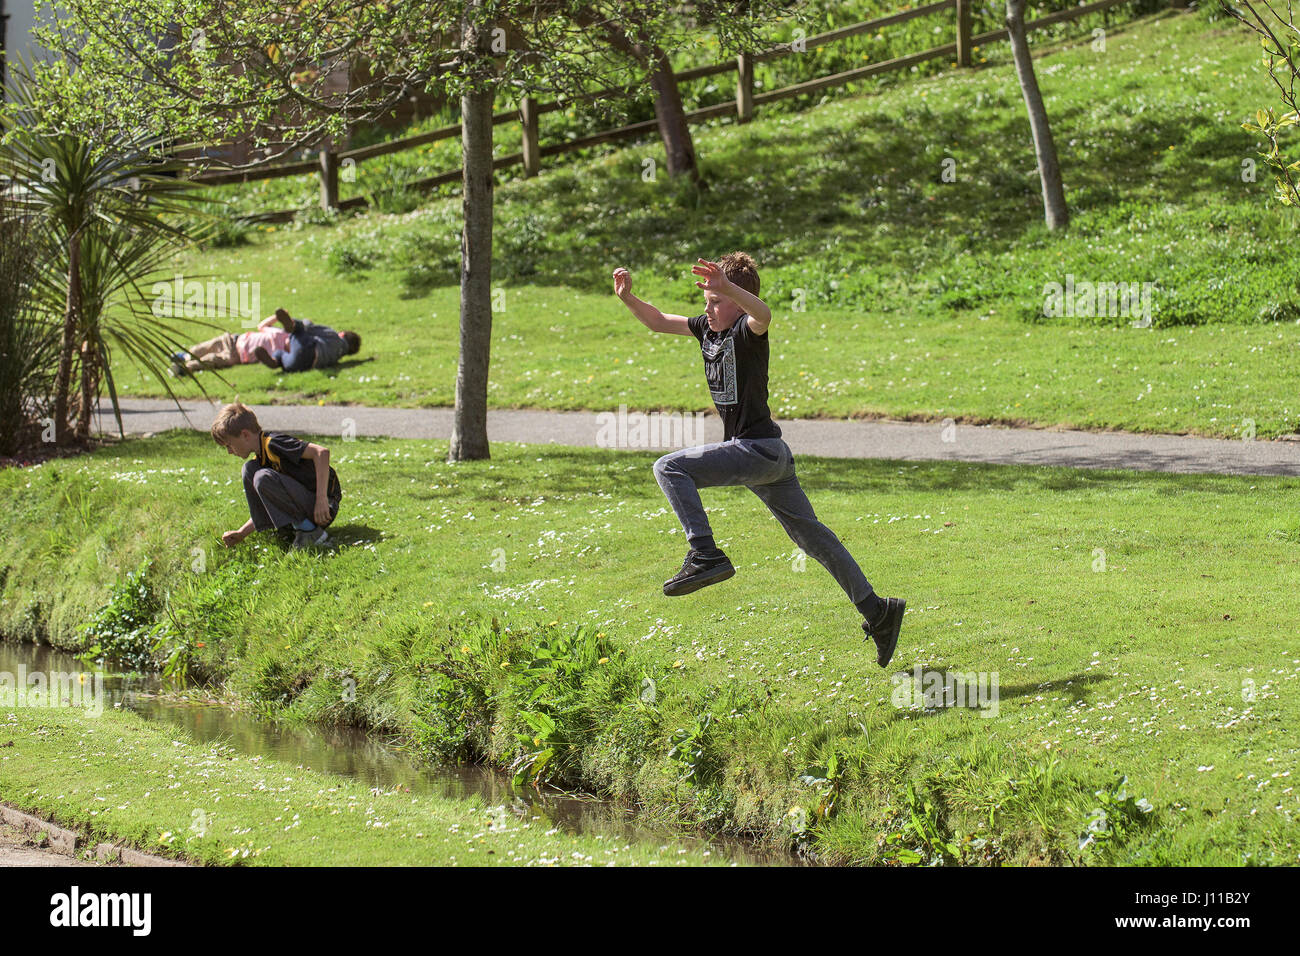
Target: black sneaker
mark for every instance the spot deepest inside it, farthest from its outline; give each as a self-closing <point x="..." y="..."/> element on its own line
<point x="699" y="572"/>
<point x="263" y="356"/>
<point x="885" y="631"/>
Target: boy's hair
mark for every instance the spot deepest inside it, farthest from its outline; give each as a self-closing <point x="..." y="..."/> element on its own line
<point x="354" y="342"/>
<point x="232" y="420"/>
<point x="739" y="267"/>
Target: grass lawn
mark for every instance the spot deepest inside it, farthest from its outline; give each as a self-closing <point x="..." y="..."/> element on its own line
<point x="921" y="298"/>
<point x="213" y="805"/>
<point x="510" y="610"/>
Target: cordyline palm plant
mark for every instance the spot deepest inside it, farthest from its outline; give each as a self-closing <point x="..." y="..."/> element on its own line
<point x="114" y="213"/>
<point x="115" y="315"/>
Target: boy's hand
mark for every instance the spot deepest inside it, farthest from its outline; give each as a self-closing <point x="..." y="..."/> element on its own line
<point x="322" y="513"/>
<point x="622" y="282"/>
<point x="715" y="280"/>
<point x="232" y="538"/>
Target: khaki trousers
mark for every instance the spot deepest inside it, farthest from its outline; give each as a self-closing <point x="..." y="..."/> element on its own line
<point x="214" y="353"/>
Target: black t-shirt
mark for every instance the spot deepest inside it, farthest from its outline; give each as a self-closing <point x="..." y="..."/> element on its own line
<point x="735" y="364"/>
<point x="284" y="454"/>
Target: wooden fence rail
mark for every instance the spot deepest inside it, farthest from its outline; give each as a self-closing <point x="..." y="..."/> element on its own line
<point x="329" y="162"/>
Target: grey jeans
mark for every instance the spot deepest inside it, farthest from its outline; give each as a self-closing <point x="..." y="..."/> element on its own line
<point x="276" y="500"/>
<point x="766" y="467"/>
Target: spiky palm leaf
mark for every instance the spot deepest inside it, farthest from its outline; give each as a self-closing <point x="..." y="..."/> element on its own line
<point x="27" y="339"/>
<point x="119" y="203"/>
<point x="118" y="266"/>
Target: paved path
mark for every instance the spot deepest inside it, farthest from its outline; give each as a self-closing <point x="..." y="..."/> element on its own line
<point x="911" y="441"/>
<point x="19" y="849"/>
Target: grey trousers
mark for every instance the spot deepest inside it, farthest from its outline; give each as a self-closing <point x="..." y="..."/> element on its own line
<point x="276" y="500"/>
<point x="766" y="467"/>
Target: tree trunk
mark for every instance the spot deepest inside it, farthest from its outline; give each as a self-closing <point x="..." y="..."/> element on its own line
<point x="89" y="388"/>
<point x="71" y="315"/>
<point x="1049" y="167"/>
<point x="669" y="112"/>
<point x="469" y="439"/>
<point x="673" y="128"/>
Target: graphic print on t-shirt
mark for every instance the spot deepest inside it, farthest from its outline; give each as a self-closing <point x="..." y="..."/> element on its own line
<point x="720" y="369"/>
<point x="735" y="367"/>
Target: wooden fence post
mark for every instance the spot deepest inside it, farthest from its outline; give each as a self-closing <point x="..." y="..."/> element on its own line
<point x="744" y="88"/>
<point x="963" y="32"/>
<point x="329" y="179"/>
<point x="528" y="118"/>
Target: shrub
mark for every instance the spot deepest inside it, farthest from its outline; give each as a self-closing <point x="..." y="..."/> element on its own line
<point x="123" y="631"/>
<point x="353" y="254"/>
<point x="27" y="338"/>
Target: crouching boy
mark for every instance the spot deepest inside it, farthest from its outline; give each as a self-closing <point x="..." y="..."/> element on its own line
<point x="288" y="482"/>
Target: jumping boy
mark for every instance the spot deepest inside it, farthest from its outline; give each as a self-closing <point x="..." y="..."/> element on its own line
<point x="288" y="482"/>
<point x="732" y="334"/>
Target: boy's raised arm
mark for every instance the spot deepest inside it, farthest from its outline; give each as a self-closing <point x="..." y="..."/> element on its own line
<point x="715" y="280"/>
<point x="650" y="317"/>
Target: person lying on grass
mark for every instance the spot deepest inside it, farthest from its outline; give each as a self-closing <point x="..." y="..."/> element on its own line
<point x="294" y="347"/>
<point x="732" y="334"/>
<point x="289" y="483"/>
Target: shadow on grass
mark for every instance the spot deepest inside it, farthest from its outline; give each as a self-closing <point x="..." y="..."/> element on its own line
<point x="352" y="534"/>
<point x="329" y="371"/>
<point x="941" y="689"/>
<point x="333" y="370"/>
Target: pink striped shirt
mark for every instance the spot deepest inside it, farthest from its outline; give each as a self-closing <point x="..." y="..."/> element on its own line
<point x="248" y="342"/>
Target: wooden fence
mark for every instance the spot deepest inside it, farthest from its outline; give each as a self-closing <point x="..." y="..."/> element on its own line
<point x="329" y="162"/>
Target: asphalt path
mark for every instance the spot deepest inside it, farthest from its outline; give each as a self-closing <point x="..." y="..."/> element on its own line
<point x="906" y="441"/>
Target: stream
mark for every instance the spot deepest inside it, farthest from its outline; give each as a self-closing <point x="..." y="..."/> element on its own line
<point x="351" y="752"/>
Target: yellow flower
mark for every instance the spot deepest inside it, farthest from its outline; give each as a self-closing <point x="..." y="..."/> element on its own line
<point x="603" y="660"/>
<point x="464" y="648"/>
